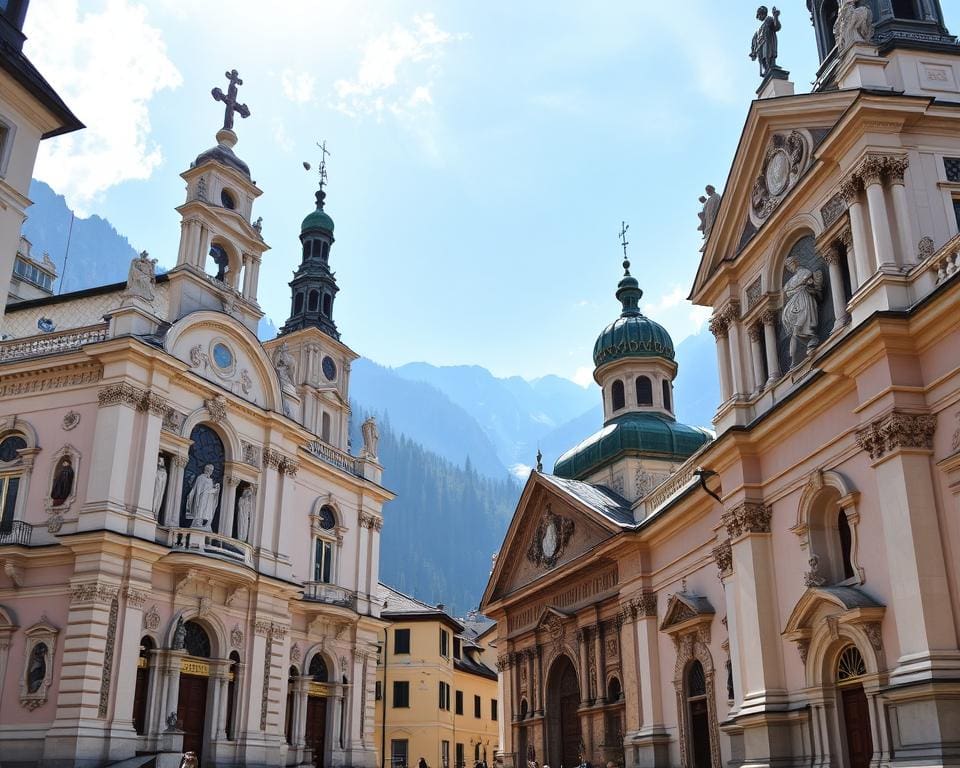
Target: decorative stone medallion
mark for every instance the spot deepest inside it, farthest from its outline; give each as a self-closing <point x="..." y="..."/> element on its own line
<point x="550" y="539"/>
<point x="70" y="420"/>
<point x="787" y="156"/>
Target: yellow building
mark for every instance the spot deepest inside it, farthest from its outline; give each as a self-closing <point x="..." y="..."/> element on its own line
<point x="436" y="697"/>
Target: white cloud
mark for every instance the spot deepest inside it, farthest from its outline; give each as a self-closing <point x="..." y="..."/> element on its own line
<point x="397" y="71"/>
<point x="108" y="66"/>
<point x="667" y="301"/>
<point x="583" y="376"/>
<point x="297" y="86"/>
<point x="280" y="135"/>
<point x="521" y="471"/>
<point x="699" y="316"/>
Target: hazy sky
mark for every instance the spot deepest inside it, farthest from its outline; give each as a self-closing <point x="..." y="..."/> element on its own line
<point x="483" y="154"/>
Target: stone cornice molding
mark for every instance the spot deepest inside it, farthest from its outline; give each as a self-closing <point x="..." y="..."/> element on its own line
<point x="28" y="382"/>
<point x="748" y="517"/>
<point x="131" y="396"/>
<point x="895" y="431"/>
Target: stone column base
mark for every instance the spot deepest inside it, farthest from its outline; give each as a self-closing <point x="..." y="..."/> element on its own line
<point x="648" y="749"/>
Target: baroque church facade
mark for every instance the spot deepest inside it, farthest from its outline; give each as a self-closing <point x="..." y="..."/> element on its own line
<point x="786" y="591"/>
<point x="189" y="549"/>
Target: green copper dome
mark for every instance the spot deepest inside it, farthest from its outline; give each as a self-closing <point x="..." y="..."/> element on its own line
<point x="318" y="219"/>
<point x="632" y="334"/>
<point x="651" y="435"/>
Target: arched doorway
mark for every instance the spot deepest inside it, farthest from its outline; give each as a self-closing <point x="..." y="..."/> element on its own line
<point x="699" y="716"/>
<point x="854" y="709"/>
<point x="192" y="697"/>
<point x="563" y="722"/>
<point x="315" y="732"/>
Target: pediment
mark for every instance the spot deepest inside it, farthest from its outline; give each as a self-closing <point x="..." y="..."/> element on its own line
<point x="848" y="604"/>
<point x="686" y="611"/>
<point x="224" y="352"/>
<point x="550" y="530"/>
<point x="777" y="148"/>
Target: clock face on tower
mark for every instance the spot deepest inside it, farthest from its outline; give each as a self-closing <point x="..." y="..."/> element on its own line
<point x="329" y="368"/>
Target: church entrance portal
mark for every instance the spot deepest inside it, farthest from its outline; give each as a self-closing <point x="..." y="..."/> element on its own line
<point x="191" y="712"/>
<point x="856" y="720"/>
<point x="563" y="723"/>
<point x="316" y="728"/>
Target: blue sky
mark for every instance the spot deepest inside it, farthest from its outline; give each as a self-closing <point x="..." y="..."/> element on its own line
<point x="483" y="154"/>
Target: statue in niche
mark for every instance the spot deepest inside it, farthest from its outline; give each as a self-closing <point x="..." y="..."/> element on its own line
<point x="711" y="204"/>
<point x="179" y="636"/>
<point x="854" y="24"/>
<point x="801" y="293"/>
<point x="37" y="668"/>
<point x="764" y="48"/>
<point x="159" y="486"/>
<point x="284" y="363"/>
<point x="141" y="277"/>
<point x="62" y="481"/>
<point x="244" y="513"/>
<point x="202" y="500"/>
<point x="371" y="437"/>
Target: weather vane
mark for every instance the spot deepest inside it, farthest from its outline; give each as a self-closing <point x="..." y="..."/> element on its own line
<point x="624" y="243"/>
<point x="322" y="165"/>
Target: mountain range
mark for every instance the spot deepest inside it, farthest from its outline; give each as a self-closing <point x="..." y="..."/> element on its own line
<point x="456" y="441"/>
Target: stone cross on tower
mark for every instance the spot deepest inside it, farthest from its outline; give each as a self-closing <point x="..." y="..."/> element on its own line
<point x="230" y="100"/>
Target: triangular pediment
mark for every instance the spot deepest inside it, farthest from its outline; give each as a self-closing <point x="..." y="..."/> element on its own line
<point x="685" y="611"/>
<point x="550" y="531"/>
<point x="778" y="146"/>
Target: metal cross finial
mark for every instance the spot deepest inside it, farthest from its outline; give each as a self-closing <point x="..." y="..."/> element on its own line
<point x="324" y="154"/>
<point x="624" y="243"/>
<point x="230" y="100"/>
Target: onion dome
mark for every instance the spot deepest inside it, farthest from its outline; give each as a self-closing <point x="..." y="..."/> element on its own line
<point x="632" y="334"/>
<point x="650" y="435"/>
<point x="225" y="156"/>
<point x="318" y="219"/>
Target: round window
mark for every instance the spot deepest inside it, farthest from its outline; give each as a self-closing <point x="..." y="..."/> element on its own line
<point x="227" y="200"/>
<point x="222" y="355"/>
<point x="329" y="368"/>
<point x="327" y="518"/>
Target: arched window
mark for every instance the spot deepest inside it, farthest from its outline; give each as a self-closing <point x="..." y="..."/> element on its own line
<point x="11" y="476"/>
<point x="324" y="250"/>
<point x="699" y="715"/>
<point x="523" y="709"/>
<point x="307" y="247"/>
<point x="217" y="261"/>
<point x="327" y="517"/>
<point x="832" y="539"/>
<point x="232" y="692"/>
<point x="142" y="686"/>
<point x="618" y="400"/>
<point x="614" y="690"/>
<point x="314" y="301"/>
<point x="207" y="450"/>
<point x="644" y="391"/>
<point x="298" y="304"/>
<point x="666" y="395"/>
<point x="318" y="669"/>
<point x="327" y="304"/>
<point x="197" y="642"/>
<point x="850" y="665"/>
<point x="828" y="17"/>
<point x="846" y="544"/>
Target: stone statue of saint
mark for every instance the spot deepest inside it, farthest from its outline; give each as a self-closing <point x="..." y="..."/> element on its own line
<point x="800" y="312"/>
<point x="202" y="500"/>
<point x="764" y="48"/>
<point x="37" y="669"/>
<point x="371" y="437"/>
<point x="141" y="277"/>
<point x="258" y="224"/>
<point x="179" y="636"/>
<point x="284" y="363"/>
<point x="854" y="24"/>
<point x="159" y="486"/>
<point x="189" y="760"/>
<point x="711" y="204"/>
<point x="244" y="513"/>
<point x="62" y="481"/>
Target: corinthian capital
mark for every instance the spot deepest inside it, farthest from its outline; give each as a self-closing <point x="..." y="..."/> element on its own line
<point x="850" y="189"/>
<point x="720" y="325"/>
<point x="896" y="167"/>
<point x="748" y="517"/>
<point x="871" y="170"/>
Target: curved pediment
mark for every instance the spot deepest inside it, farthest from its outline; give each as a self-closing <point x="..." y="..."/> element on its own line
<point x="838" y="600"/>
<point x="225" y="352"/>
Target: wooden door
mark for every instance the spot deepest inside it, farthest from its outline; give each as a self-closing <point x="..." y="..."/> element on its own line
<point x="856" y="721"/>
<point x="192" y="712"/>
<point x="700" y="734"/>
<point x="316" y="728"/>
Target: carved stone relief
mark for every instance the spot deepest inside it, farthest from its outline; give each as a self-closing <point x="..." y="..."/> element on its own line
<point x="787" y="156"/>
<point x="550" y="538"/>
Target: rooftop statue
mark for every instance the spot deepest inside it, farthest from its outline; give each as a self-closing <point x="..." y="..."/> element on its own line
<point x="711" y="204"/>
<point x="854" y="24"/>
<point x="764" y="48"/>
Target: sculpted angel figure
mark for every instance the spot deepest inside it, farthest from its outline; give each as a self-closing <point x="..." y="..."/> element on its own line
<point x="800" y="311"/>
<point x="202" y="500"/>
<point x="854" y="24"/>
<point x="141" y="277"/>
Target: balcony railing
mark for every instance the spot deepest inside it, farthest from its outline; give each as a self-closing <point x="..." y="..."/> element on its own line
<point x="16" y="532"/>
<point x="320" y="592"/>
<point x="207" y="543"/>
<point x="329" y="454"/>
<point x="678" y="481"/>
<point x="52" y="343"/>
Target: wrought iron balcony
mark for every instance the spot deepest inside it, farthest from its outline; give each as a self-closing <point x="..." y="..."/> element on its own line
<point x="16" y="532"/>
<point x="321" y="592"/>
<point x="52" y="343"/>
<point x="206" y="543"/>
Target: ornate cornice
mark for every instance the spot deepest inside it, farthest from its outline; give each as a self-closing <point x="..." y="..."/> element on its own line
<point x="127" y="394"/>
<point x="897" y="430"/>
<point x="829" y="253"/>
<point x="284" y="464"/>
<point x="14" y="385"/>
<point x="748" y="517"/>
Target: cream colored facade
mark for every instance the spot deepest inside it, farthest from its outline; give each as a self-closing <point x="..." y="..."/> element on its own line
<point x="437" y="695"/>
<point x="141" y="611"/>
<point x="790" y="595"/>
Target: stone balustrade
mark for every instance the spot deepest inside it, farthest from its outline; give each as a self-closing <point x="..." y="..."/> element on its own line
<point x="321" y="592"/>
<point x="207" y="543"/>
<point x="329" y="454"/>
<point x="17" y="532"/>
<point x="52" y="343"/>
<point x="675" y="483"/>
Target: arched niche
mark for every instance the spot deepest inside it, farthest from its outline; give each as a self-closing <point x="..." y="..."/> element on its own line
<point x="828" y="502"/>
<point x="209" y="622"/>
<point x="224" y="261"/>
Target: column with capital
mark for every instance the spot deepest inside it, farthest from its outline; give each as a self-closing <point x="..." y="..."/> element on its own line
<point x="756" y="354"/>
<point x="831" y="255"/>
<point x="858" y="242"/>
<point x="653" y="739"/>
<point x="598" y="653"/>
<point x="871" y="170"/>
<point x="228" y="498"/>
<point x="171" y="510"/>
<point x="583" y="651"/>
<point x="896" y="168"/>
<point x="769" y="320"/>
<point x="846" y="239"/>
<point x="738" y="372"/>
<point x="719" y="326"/>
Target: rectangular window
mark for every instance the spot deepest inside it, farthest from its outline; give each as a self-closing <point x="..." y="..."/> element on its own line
<point x="6" y="139"/>
<point x="456" y="647"/>
<point x="477" y="707"/>
<point x="378" y="690"/>
<point x="952" y="166"/>
<point x="459" y="755"/>
<point x="956" y="210"/>
<point x="398" y="753"/>
<point x="401" y="694"/>
<point x="445" y="754"/>
<point x="459" y="703"/>
<point x="9" y="486"/>
<point x="401" y="641"/>
<point x="445" y="696"/>
<point x="493" y="710"/>
<point x="323" y="562"/>
<point x="444" y="643"/>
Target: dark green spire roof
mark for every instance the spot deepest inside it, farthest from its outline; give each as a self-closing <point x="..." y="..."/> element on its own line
<point x="318" y="219"/>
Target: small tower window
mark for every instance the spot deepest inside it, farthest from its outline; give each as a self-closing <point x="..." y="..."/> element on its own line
<point x="227" y="199"/>
<point x="325" y="427"/>
<point x="324" y="250"/>
<point x="306" y="248"/>
<point x="298" y="304"/>
<point x="617" y="396"/>
<point x="666" y="395"/>
<point x="644" y="391"/>
<point x="314" y="301"/>
<point x="327" y="304"/>
<point x="905" y="9"/>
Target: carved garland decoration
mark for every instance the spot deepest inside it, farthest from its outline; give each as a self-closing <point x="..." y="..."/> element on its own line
<point x="550" y="539"/>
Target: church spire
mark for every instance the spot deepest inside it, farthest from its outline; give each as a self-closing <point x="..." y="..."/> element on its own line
<point x="628" y="289"/>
